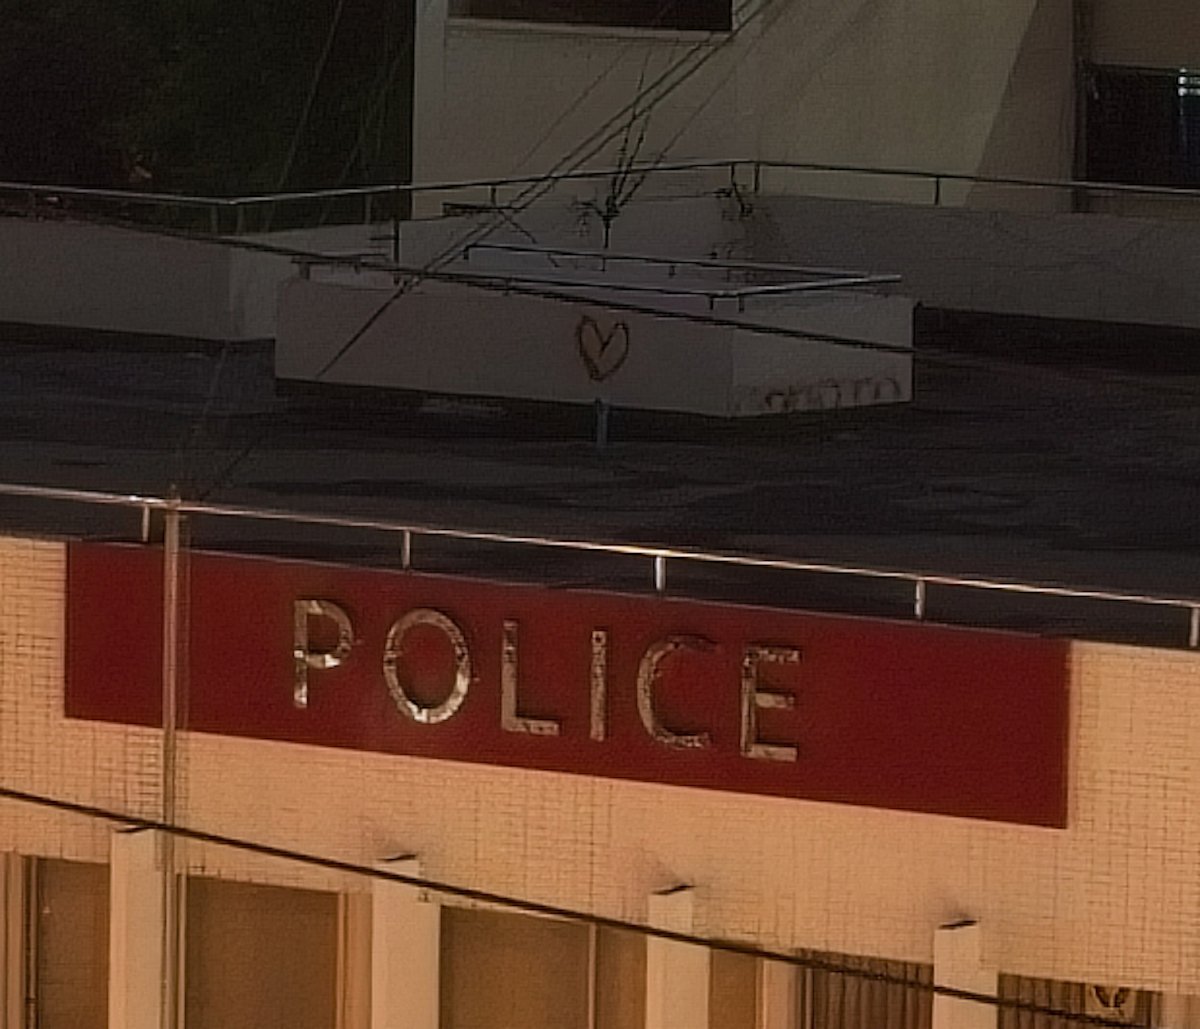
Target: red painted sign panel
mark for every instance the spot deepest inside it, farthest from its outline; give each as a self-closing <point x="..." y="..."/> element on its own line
<point x="828" y="708"/>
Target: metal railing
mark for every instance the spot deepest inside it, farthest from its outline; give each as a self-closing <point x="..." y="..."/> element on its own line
<point x="382" y="203"/>
<point x="658" y="556"/>
<point x="810" y="277"/>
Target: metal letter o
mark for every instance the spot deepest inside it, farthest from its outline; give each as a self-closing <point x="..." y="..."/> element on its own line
<point x="394" y="649"/>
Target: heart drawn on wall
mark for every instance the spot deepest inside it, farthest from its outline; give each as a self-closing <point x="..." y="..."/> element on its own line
<point x="602" y="353"/>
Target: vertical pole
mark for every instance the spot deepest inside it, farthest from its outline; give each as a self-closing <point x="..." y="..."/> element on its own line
<point x="13" y="918"/>
<point x="31" y="936"/>
<point x="145" y="523"/>
<point x="660" y="573"/>
<point x="919" y="598"/>
<point x="354" y="961"/>
<point x="937" y="191"/>
<point x="757" y="176"/>
<point x="601" y="424"/>
<point x="396" y="225"/>
<point x="406" y="549"/>
<point x="170" y="657"/>
<point x="169" y="995"/>
<point x="1194" y="629"/>
<point x="593" y="949"/>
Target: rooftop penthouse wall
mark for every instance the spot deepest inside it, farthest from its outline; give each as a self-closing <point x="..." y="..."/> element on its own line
<point x="932" y="84"/>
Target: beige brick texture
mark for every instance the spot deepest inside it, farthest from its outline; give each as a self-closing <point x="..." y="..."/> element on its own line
<point x="1115" y="897"/>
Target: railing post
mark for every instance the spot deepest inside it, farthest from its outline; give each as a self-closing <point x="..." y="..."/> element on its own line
<point x="601" y="411"/>
<point x="757" y="176"/>
<point x="214" y="219"/>
<point x="1194" y="628"/>
<point x="406" y="549"/>
<point x="396" y="225"/>
<point x="660" y="573"/>
<point x="492" y="195"/>
<point x="919" y="598"/>
<point x="937" y="191"/>
<point x="171" y="609"/>
<point x="240" y="222"/>
<point x="145" y="523"/>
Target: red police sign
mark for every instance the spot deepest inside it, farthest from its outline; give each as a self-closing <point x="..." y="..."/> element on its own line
<point x="844" y="710"/>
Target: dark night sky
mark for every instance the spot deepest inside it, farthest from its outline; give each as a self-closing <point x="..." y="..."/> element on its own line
<point x="209" y="96"/>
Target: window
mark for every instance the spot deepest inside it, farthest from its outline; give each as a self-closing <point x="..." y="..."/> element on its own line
<point x="259" y="956"/>
<point x="698" y="15"/>
<point x="1143" y="126"/>
<point x="1117" y="1003"/>
<point x="68" y="943"/>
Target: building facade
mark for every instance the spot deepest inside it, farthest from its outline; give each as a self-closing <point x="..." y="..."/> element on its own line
<point x="1047" y="89"/>
<point x="1058" y="871"/>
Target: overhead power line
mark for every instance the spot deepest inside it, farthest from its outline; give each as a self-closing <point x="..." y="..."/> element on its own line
<point x="581" y="97"/>
<point x="643" y="103"/>
<point x="942" y="356"/>
<point x="540" y="909"/>
<point x="311" y="96"/>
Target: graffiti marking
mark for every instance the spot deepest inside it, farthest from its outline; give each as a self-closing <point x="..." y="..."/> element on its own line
<point x="602" y="353"/>
<point x="829" y="394"/>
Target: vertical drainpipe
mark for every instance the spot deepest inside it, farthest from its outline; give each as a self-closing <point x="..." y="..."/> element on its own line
<point x="169" y="1001"/>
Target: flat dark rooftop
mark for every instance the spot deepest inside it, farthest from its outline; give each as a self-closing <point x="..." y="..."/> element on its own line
<point x="1073" y="473"/>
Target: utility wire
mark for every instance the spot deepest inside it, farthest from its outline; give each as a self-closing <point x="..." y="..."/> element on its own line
<point x="664" y="9"/>
<point x="494" y="284"/>
<point x="531" y="192"/>
<point x="537" y="908"/>
<point x="662" y="87"/>
<point x="933" y="355"/>
<point x="311" y="97"/>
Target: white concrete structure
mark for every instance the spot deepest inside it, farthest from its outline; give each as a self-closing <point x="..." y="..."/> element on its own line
<point x="958" y="962"/>
<point x="677" y="974"/>
<point x="405" y="934"/>
<point x="454" y="338"/>
<point x="932" y="84"/>
<point x="995" y="90"/>
<point x="137" y="950"/>
<point x="77" y="275"/>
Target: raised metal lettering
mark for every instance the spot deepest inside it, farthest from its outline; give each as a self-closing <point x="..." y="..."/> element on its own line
<point x="649" y="673"/>
<point x="393" y="651"/>
<point x="599" y="684"/>
<point x="510" y="720"/>
<point x="754" y="698"/>
<point x="303" y="657"/>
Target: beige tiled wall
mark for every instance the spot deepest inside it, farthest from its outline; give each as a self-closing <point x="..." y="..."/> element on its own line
<point x="1113" y="898"/>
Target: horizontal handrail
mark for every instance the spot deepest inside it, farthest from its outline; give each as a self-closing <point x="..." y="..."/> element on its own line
<point x="123" y="195"/>
<point x="514" y="277"/>
<point x="920" y="580"/>
<point x="1184" y="192"/>
<point x="383" y="189"/>
<point x="733" y="165"/>
<point x="617" y="257"/>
